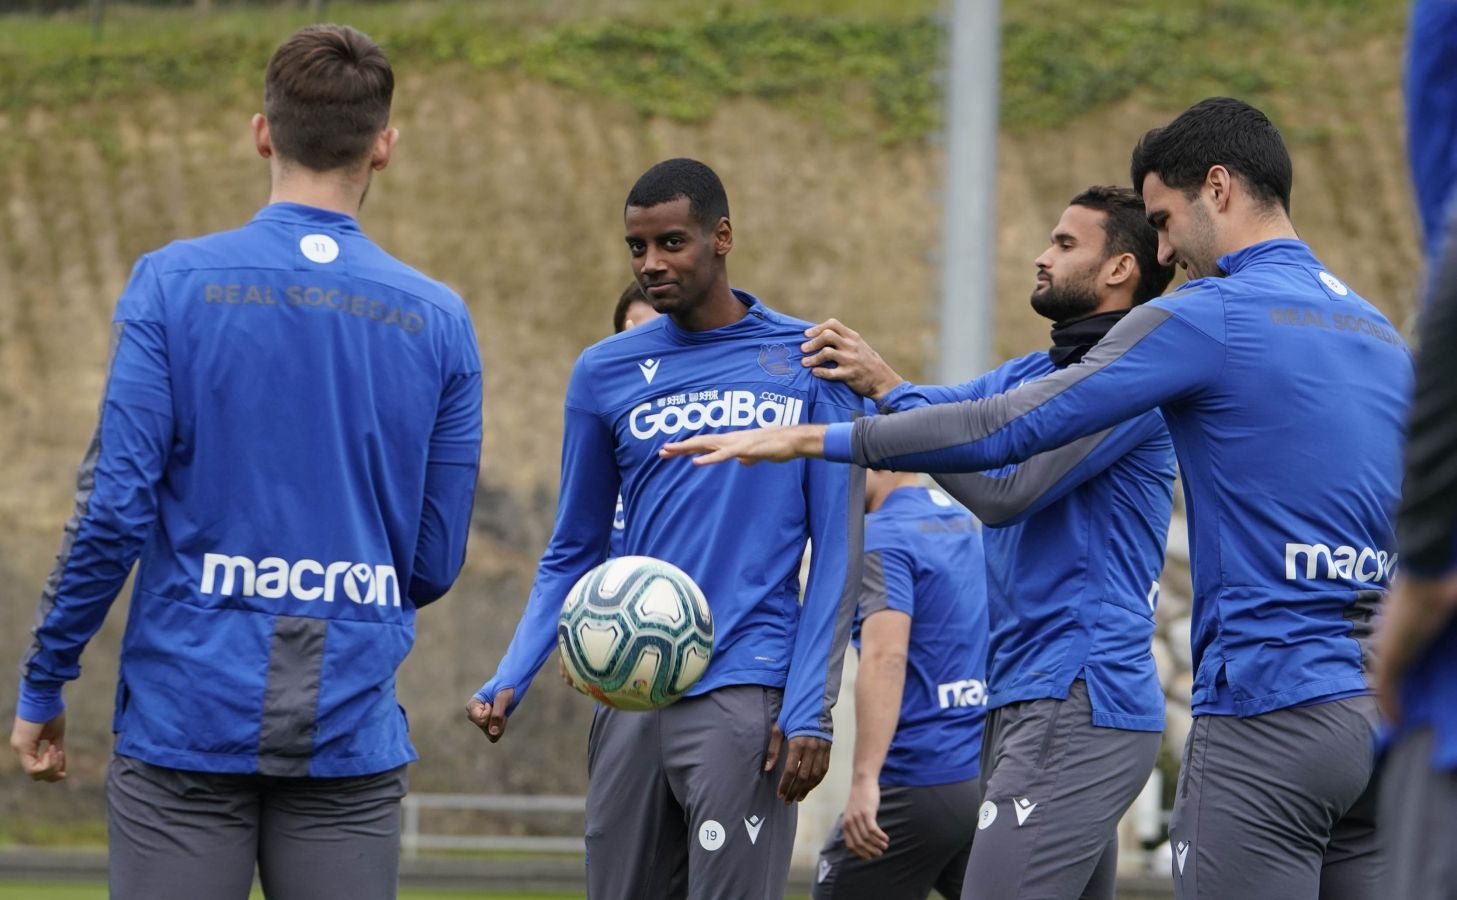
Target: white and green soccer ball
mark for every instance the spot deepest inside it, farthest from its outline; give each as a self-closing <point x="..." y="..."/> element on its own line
<point x="635" y="633"/>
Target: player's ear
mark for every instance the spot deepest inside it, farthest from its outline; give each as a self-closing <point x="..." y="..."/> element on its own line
<point x="383" y="149"/>
<point x="723" y="237"/>
<point x="262" y="140"/>
<point x="1120" y="269"/>
<point x="1217" y="182"/>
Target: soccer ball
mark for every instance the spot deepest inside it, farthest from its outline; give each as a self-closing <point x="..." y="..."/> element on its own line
<point x="635" y="633"/>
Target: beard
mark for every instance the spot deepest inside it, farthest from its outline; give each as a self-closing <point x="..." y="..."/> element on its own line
<point x="1200" y="253"/>
<point x="1063" y="303"/>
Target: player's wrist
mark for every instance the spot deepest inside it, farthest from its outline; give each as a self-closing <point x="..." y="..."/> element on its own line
<point x="863" y="778"/>
<point x="810" y="440"/>
<point x="887" y="383"/>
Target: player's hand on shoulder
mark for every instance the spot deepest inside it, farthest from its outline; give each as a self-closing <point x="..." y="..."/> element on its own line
<point x="490" y="718"/>
<point x="863" y="835"/>
<point x="837" y="352"/>
<point x="46" y="763"/>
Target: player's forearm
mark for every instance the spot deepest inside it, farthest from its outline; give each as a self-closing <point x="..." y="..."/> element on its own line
<point x="878" y="688"/>
<point x="444" y="529"/>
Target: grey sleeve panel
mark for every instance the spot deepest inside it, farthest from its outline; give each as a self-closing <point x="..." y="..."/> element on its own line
<point x="849" y="595"/>
<point x="872" y="586"/>
<point x="1427" y="521"/>
<point x="85" y="485"/>
<point x="997" y="500"/>
<point x="949" y="425"/>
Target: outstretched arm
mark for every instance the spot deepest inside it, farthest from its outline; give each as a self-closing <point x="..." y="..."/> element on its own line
<point x="1150" y="358"/>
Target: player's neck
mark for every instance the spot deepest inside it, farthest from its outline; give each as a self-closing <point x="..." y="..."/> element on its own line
<point x="324" y="190"/>
<point x="719" y="309"/>
<point x="1259" y="230"/>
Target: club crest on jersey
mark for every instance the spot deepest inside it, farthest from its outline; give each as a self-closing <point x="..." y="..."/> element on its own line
<point x="774" y="359"/>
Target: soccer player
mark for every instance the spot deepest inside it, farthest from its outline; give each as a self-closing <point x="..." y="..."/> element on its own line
<point x="1418" y="640"/>
<point x="1076" y="707"/>
<point x="288" y="440"/>
<point x="919" y="700"/>
<point x="1285" y="394"/>
<point x="632" y="309"/>
<point x="695" y="799"/>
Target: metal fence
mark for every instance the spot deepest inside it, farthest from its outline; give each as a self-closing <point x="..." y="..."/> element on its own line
<point x="414" y="837"/>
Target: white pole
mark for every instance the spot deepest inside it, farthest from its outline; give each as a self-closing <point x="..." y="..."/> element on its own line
<point x="968" y="250"/>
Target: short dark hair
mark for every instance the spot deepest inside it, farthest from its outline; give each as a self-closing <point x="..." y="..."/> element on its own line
<point x="327" y="96"/>
<point x="1219" y="131"/>
<point x="681" y="177"/>
<point x="630" y="295"/>
<point x="1126" y="230"/>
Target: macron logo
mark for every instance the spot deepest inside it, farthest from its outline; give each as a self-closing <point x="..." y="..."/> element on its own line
<point x="1024" y="808"/>
<point x="1182" y="854"/>
<point x="1365" y="564"/>
<point x="969" y="692"/>
<point x="752" y="825"/>
<point x="308" y="579"/>
<point x="649" y="368"/>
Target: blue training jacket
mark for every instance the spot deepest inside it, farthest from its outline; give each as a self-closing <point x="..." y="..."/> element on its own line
<point x="1285" y="394"/>
<point x="288" y="442"/>
<point x="1073" y="556"/>
<point x="738" y="531"/>
<point x="923" y="557"/>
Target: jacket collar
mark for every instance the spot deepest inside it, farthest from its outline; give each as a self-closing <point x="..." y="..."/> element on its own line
<point x="1282" y="251"/>
<point x="307" y="215"/>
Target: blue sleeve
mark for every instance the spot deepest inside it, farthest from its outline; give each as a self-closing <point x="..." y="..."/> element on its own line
<point x="835" y="501"/>
<point x="906" y="396"/>
<point x="579" y="539"/>
<point x="116" y="500"/>
<point x="450" y="478"/>
<point x="1151" y="358"/>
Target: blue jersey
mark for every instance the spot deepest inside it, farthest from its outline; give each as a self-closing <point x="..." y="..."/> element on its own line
<point x="1073" y="557"/>
<point x="288" y="442"/>
<point x="923" y="557"/>
<point x="1285" y="394"/>
<point x="1431" y="116"/>
<point x="738" y="531"/>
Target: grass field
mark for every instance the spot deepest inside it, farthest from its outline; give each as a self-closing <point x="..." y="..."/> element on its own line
<point x="62" y="891"/>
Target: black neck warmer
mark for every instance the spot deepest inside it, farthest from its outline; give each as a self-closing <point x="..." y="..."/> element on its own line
<point x="1070" y="340"/>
